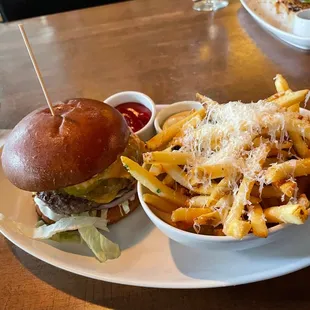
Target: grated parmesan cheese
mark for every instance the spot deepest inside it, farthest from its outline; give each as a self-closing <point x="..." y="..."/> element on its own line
<point x="226" y="134"/>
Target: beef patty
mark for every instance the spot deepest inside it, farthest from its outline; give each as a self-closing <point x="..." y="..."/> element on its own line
<point x="63" y="203"/>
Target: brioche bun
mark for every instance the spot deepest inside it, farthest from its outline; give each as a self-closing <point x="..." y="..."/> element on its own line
<point x="45" y="152"/>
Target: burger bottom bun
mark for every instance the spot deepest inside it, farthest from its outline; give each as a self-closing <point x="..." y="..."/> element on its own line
<point x="114" y="214"/>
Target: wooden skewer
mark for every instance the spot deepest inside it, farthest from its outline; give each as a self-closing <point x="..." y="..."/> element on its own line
<point x="36" y="67"/>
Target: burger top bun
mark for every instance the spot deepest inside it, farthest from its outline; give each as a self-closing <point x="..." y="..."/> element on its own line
<point x="45" y="152"/>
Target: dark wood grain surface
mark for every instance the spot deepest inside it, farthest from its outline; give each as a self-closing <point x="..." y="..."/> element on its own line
<point x="168" y="51"/>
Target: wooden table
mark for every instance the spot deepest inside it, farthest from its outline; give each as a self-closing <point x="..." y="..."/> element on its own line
<point x="167" y="50"/>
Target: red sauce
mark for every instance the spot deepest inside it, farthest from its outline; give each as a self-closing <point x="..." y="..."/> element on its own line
<point x="135" y="114"/>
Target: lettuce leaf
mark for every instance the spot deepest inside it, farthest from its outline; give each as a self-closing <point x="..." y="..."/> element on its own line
<point x="101" y="246"/>
<point x="47" y="231"/>
<point x="67" y="236"/>
<point x="101" y="222"/>
<point x="64" y="230"/>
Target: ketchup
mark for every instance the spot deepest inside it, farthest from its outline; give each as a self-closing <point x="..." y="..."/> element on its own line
<point x="135" y="114"/>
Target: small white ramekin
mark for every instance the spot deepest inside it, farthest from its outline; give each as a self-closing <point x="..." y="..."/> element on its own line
<point x="173" y="109"/>
<point x="147" y="132"/>
<point x="302" y="23"/>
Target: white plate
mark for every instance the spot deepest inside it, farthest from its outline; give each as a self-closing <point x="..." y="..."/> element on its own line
<point x="264" y="13"/>
<point x="150" y="259"/>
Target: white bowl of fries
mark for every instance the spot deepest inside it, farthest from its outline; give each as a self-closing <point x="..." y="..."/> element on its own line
<point x="218" y="243"/>
<point x="230" y="176"/>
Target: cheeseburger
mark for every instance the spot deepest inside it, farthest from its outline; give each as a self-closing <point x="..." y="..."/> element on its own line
<point x="71" y="161"/>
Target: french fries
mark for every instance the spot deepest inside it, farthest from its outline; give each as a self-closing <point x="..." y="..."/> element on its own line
<point x="279" y="153"/>
<point x="237" y="228"/>
<point x="218" y="192"/>
<point x="284" y="145"/>
<point x="257" y="220"/>
<point x="178" y="175"/>
<point x="267" y="192"/>
<point x="188" y="215"/>
<point x="281" y="83"/>
<point x="275" y="96"/>
<point x="156" y="169"/>
<point x="291" y="98"/>
<point x="255" y="200"/>
<point x="168" y="180"/>
<point x="159" y="203"/>
<point x="223" y="206"/>
<point x="204" y="99"/>
<point x="290" y="168"/>
<point x="176" y="158"/>
<point x="288" y="188"/>
<point x="215" y="171"/>
<point x="212" y="218"/>
<point x="167" y="135"/>
<point x="152" y="183"/>
<point x="303" y="201"/>
<point x="234" y="217"/>
<point x="231" y="169"/>
<point x="198" y="201"/>
<point x="300" y="126"/>
<point x="294" y="108"/>
<point x="166" y="217"/>
<point x="300" y="145"/>
<point x="192" y="123"/>
<point x="291" y="213"/>
<point x="270" y="161"/>
<point x="202" y="189"/>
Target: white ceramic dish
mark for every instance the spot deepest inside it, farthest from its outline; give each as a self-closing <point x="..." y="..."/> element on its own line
<point x="264" y="13"/>
<point x="133" y="96"/>
<point x="302" y="23"/>
<point x="151" y="259"/>
<point x="173" y="109"/>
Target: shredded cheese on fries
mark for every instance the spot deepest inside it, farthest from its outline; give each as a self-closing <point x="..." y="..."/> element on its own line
<point x="226" y="134"/>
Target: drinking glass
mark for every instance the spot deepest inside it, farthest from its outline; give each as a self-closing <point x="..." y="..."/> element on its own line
<point x="209" y="5"/>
